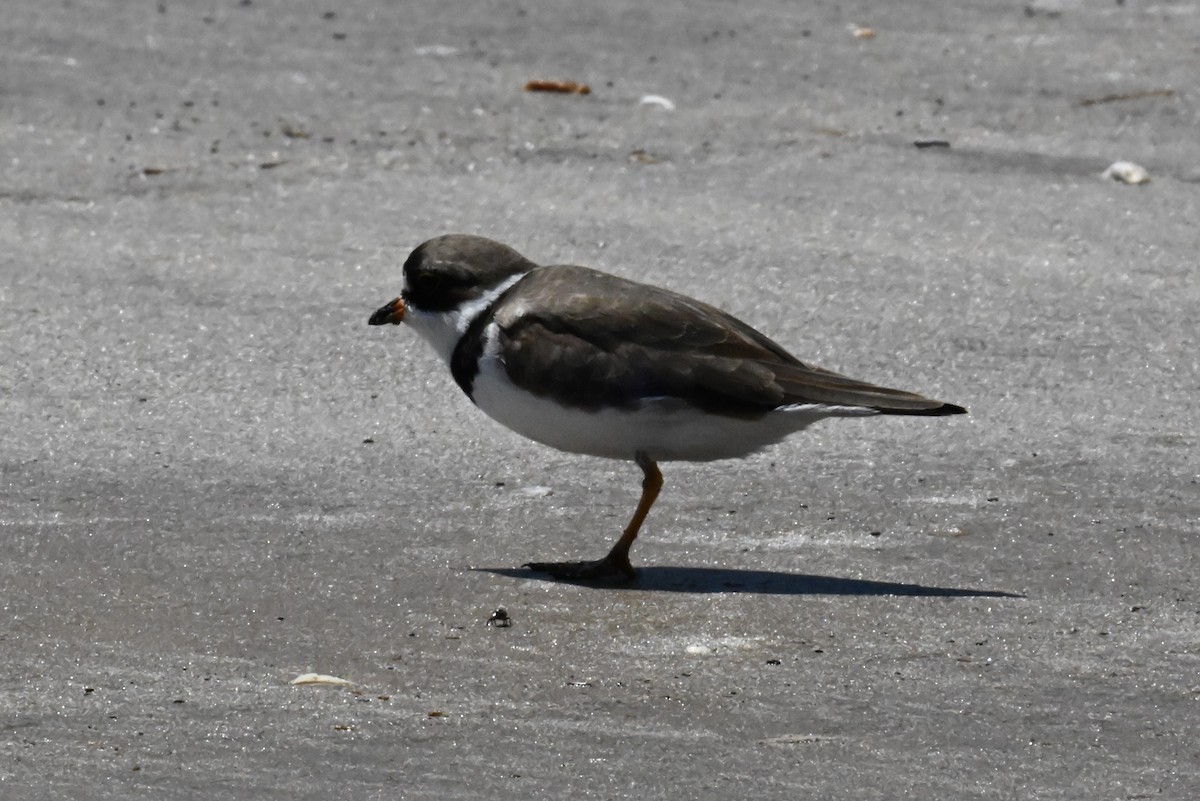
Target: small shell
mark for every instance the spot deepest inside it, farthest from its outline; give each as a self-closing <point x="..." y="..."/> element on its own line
<point x="658" y="100"/>
<point x="862" y="32"/>
<point x="436" y="50"/>
<point x="320" y="678"/>
<point x="1127" y="172"/>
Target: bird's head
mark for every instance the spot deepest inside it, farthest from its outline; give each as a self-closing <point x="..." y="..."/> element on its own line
<point x="448" y="282"/>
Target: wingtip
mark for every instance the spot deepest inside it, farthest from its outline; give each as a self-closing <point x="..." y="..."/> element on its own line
<point x="928" y="411"/>
<point x="948" y="408"/>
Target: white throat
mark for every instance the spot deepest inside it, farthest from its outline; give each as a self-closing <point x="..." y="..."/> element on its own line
<point x="443" y="329"/>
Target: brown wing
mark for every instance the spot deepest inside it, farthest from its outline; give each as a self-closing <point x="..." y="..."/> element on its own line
<point x="591" y="339"/>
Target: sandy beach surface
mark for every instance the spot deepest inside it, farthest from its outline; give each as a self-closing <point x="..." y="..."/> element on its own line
<point x="215" y="477"/>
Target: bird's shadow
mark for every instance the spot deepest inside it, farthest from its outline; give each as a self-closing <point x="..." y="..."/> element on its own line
<point x="701" y="580"/>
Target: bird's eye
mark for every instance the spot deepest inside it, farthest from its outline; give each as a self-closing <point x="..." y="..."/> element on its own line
<point x="428" y="282"/>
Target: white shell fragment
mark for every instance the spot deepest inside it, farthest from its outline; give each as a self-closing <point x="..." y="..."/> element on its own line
<point x="658" y="100"/>
<point x="320" y="678"/>
<point x="1127" y="172"/>
<point x="436" y="50"/>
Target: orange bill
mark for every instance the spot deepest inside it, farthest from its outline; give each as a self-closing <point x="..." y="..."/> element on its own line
<point x="391" y="313"/>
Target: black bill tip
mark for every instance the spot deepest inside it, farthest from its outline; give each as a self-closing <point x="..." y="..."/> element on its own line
<point x="392" y="312"/>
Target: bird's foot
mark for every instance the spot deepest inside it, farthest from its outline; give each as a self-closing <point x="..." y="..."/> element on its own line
<point x="613" y="566"/>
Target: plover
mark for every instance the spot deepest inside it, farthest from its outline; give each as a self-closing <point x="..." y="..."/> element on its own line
<point x="591" y="363"/>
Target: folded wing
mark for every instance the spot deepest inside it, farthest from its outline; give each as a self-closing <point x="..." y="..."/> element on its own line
<point x="604" y="340"/>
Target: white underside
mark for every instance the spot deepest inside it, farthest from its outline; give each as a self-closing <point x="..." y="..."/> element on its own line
<point x="666" y="429"/>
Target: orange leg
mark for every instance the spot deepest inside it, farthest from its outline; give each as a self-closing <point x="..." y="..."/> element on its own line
<point x="616" y="563"/>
